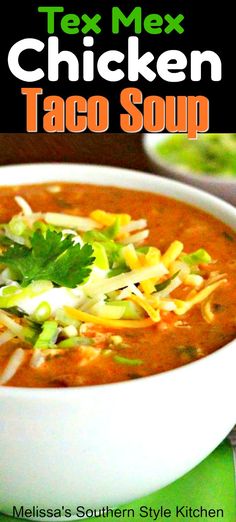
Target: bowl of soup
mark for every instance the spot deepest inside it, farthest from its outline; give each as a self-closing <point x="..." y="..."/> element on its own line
<point x="209" y="162"/>
<point x="117" y="351"/>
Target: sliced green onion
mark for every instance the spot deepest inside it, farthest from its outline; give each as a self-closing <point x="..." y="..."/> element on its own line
<point x="34" y="289"/>
<point x="112" y="231"/>
<point x="108" y="311"/>
<point x="64" y="320"/>
<point x="48" y="336"/>
<point x="125" y="360"/>
<point x="42" y="312"/>
<point x="101" y="259"/>
<point x="200" y="256"/>
<point x="142" y="249"/>
<point x="75" y="341"/>
<point x="10" y="290"/>
<point x="130" y="310"/>
<point x="30" y="334"/>
<point x="18" y="227"/>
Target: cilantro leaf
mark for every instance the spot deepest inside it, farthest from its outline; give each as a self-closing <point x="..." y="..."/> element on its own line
<point x="50" y="258"/>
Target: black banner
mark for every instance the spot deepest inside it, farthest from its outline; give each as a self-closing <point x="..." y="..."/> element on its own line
<point x="198" y="68"/>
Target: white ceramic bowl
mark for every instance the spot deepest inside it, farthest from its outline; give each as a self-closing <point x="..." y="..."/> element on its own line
<point x="220" y="185"/>
<point x="108" y="444"/>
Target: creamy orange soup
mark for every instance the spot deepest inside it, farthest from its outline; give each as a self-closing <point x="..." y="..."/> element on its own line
<point x="167" y="344"/>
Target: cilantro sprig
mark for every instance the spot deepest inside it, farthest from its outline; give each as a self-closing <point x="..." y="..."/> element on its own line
<point x="51" y="257"/>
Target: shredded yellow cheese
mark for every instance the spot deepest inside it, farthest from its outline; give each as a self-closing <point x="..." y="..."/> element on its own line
<point x="134" y="261"/>
<point x="131" y="257"/>
<point x="153" y="256"/>
<point x="183" y="306"/>
<point x="172" y="253"/>
<point x="154" y="314"/>
<point x="207" y="313"/>
<point x="109" y="323"/>
<point x="107" y="218"/>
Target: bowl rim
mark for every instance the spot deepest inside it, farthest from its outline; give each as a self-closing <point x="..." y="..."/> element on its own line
<point x="127" y="175"/>
<point x="207" y="179"/>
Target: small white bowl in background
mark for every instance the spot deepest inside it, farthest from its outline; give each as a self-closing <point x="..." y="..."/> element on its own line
<point x="223" y="186"/>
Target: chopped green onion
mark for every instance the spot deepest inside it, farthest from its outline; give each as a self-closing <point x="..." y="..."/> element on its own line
<point x="34" y="289"/>
<point x="113" y="310"/>
<point x="101" y="259"/>
<point x="143" y="249"/>
<point x="113" y="249"/>
<point x="200" y="256"/>
<point x="130" y="310"/>
<point x="125" y="360"/>
<point x="9" y="290"/>
<point x="75" y="341"/>
<point x="65" y="320"/>
<point x="112" y="231"/>
<point x="18" y="227"/>
<point x="30" y="334"/>
<point x="42" y="312"/>
<point x="48" y="336"/>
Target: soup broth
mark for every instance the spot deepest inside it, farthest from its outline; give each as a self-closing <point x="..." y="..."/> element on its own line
<point x="130" y="353"/>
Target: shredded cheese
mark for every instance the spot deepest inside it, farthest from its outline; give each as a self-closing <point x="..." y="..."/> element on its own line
<point x="137" y="238"/>
<point x="25" y="207"/>
<point x="134" y="225"/>
<point x="109" y="323"/>
<point x="184" y="306"/>
<point x="123" y="280"/>
<point x="68" y="221"/>
<point x="172" y="253"/>
<point x="14" y="363"/>
<point x="134" y="261"/>
<point x="154" y="314"/>
<point x="207" y="313"/>
<point x="107" y="218"/>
